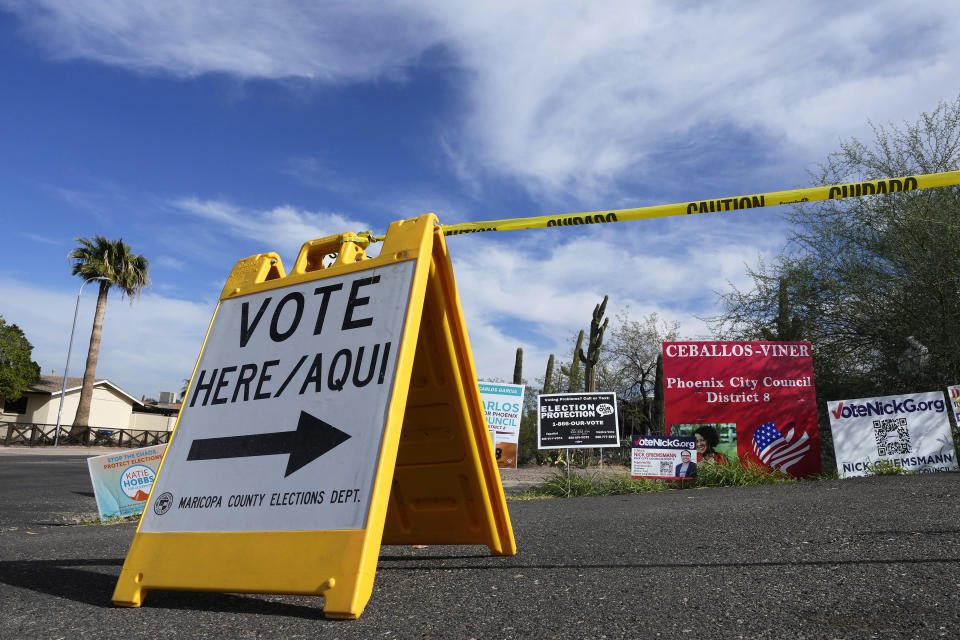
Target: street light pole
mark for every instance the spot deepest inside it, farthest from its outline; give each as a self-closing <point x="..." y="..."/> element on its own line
<point x="66" y="369"/>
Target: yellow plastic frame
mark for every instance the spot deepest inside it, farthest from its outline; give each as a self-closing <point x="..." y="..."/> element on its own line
<point x="437" y="480"/>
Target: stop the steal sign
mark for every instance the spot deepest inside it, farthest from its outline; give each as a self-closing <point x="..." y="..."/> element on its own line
<point x="282" y="425"/>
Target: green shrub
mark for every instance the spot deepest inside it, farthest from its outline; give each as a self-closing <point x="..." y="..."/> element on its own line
<point x="593" y="484"/>
<point x="580" y="484"/>
<point x="833" y="474"/>
<point x="614" y="485"/>
<point x="885" y="468"/>
<point x="727" y="474"/>
<point x="737" y="474"/>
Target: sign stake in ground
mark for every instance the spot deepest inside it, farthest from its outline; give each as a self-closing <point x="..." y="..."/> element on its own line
<point x="332" y="409"/>
<point x="577" y="420"/>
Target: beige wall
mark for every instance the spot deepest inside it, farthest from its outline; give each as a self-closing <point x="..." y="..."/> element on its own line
<point x="108" y="408"/>
<point x="34" y="404"/>
<point x="152" y="421"/>
<point x="44" y="411"/>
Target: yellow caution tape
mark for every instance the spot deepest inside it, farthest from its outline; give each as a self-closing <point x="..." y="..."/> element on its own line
<point x="363" y="238"/>
<point x="714" y="205"/>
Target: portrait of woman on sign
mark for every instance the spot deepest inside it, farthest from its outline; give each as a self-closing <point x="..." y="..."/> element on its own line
<point x="707" y="440"/>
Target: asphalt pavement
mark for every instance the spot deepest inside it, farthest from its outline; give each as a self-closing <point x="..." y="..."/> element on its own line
<point x="863" y="558"/>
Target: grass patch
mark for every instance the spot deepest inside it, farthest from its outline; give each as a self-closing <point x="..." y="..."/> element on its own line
<point x="620" y="484"/>
<point x="885" y="468"/>
<point x="833" y="474"/>
<point x="737" y="474"/>
<point x="729" y="474"/>
<point x="581" y="484"/>
<point x="591" y="484"/>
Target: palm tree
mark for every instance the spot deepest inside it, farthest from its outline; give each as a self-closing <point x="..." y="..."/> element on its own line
<point x="110" y="259"/>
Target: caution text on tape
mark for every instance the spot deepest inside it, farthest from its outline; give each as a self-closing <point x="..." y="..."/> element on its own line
<point x="715" y="205"/>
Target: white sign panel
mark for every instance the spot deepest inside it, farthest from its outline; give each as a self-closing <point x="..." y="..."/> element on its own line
<point x="283" y="424"/>
<point x="663" y="457"/>
<point x="954" y="394"/>
<point x="503" y="404"/>
<point x="911" y="431"/>
<point x="577" y="420"/>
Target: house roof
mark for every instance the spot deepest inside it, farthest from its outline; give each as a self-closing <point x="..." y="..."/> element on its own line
<point x="52" y="384"/>
<point x="156" y="407"/>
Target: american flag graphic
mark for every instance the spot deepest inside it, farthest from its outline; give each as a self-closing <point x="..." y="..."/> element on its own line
<point x="778" y="450"/>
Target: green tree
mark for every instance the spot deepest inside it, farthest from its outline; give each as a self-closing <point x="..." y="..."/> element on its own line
<point x="874" y="282"/>
<point x="527" y="440"/>
<point x="629" y="367"/>
<point x="124" y="270"/>
<point x="17" y="370"/>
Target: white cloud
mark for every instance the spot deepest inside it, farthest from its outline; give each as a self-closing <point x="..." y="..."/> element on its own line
<point x="35" y="237"/>
<point x="572" y="98"/>
<point x="326" y="41"/>
<point x="169" y="262"/>
<point x="517" y="289"/>
<point x="549" y="290"/>
<point x="283" y="229"/>
<point x="147" y="347"/>
<point x="569" y="98"/>
<point x="403" y="201"/>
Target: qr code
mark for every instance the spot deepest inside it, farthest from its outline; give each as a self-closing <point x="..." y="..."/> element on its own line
<point x="666" y="468"/>
<point x="892" y="436"/>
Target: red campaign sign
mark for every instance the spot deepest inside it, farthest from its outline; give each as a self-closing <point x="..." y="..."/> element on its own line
<point x="753" y="400"/>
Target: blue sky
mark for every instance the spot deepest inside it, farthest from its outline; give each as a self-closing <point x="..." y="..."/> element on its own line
<point x="201" y="136"/>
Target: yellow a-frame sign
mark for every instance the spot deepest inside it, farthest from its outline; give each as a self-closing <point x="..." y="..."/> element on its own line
<point x="331" y="410"/>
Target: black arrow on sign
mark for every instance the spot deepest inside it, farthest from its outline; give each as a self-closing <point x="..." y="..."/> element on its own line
<point x="312" y="438"/>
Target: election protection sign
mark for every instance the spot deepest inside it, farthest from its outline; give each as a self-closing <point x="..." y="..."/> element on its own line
<point x="122" y="481"/>
<point x="752" y="400"/>
<point x="577" y="420"/>
<point x="502" y="404"/>
<point x="663" y="457"/>
<point x="910" y="431"/>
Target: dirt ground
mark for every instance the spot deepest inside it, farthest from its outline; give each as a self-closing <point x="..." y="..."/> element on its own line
<point x="526" y="476"/>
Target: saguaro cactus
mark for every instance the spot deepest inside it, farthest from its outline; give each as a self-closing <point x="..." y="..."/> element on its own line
<point x="518" y="367"/>
<point x="593" y="348"/>
<point x="548" y="376"/>
<point x="573" y="371"/>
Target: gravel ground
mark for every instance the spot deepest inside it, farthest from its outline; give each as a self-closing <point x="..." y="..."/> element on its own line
<point x="517" y="480"/>
<point x="862" y="558"/>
